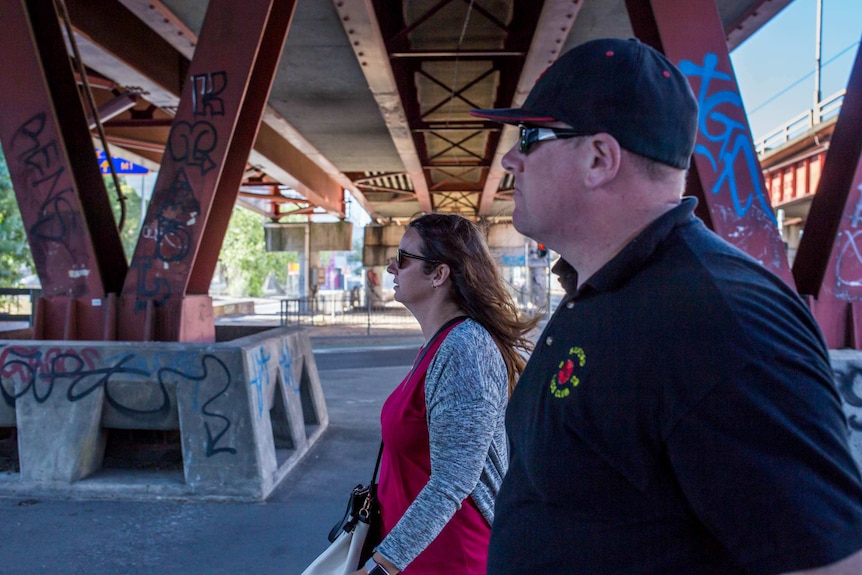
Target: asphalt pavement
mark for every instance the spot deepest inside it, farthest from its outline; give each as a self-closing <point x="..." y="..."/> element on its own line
<point x="279" y="536"/>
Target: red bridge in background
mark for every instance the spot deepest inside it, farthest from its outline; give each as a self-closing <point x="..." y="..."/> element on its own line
<point x="792" y="158"/>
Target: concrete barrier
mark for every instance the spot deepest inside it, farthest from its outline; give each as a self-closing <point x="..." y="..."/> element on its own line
<point x="245" y="412"/>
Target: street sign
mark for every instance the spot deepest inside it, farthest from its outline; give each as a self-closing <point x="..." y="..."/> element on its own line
<point x="122" y="166"/>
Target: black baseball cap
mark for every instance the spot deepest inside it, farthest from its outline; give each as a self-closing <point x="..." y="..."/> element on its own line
<point x="621" y="87"/>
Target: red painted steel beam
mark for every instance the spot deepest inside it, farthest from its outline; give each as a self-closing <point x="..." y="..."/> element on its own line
<point x="205" y="157"/>
<point x="828" y="265"/>
<point x="725" y="174"/>
<point x="149" y="58"/>
<point x="250" y="115"/>
<point x="52" y="162"/>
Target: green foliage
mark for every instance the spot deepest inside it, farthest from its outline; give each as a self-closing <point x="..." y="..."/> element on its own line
<point x="132" y="224"/>
<point x="16" y="260"/>
<point x="244" y="258"/>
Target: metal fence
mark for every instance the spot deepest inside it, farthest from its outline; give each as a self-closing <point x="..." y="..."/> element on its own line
<point x="18" y="304"/>
<point x="827" y="109"/>
<point x="344" y="309"/>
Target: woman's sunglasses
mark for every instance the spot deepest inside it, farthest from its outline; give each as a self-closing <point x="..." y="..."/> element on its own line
<point x="401" y="254"/>
<point x="532" y="134"/>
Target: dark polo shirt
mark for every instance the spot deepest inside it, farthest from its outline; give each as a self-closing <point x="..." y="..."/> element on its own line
<point x="677" y="416"/>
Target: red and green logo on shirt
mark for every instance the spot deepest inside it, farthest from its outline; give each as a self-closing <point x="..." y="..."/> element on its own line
<point x="565" y="379"/>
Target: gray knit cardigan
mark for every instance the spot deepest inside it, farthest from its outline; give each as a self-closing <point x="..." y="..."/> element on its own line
<point x="465" y="398"/>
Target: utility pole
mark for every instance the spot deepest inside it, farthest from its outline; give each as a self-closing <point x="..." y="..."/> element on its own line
<point x="818" y="41"/>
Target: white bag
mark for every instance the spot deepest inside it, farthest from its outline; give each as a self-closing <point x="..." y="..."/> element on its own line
<point x="342" y="555"/>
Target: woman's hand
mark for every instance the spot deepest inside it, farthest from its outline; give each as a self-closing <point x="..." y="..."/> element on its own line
<point x="383" y="562"/>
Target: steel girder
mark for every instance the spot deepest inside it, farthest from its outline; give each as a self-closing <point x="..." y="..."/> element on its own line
<point x="163" y="294"/>
<point x="60" y="191"/>
<point x="725" y="173"/>
<point x="828" y="264"/>
<point x="222" y="102"/>
<point x="408" y="60"/>
<point x="155" y="57"/>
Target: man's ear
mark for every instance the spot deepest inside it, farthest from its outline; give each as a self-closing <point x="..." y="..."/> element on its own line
<point x="605" y="156"/>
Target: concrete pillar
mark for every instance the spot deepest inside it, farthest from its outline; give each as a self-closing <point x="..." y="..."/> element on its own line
<point x="60" y="438"/>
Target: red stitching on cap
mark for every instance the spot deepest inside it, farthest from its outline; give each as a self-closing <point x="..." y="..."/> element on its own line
<point x="666" y="74"/>
<point x="609" y="53"/>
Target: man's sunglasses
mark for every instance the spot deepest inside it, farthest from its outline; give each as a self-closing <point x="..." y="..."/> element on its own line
<point x="401" y="254"/>
<point x="532" y="134"/>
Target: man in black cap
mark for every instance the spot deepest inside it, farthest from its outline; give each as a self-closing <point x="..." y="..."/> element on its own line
<point x="678" y="414"/>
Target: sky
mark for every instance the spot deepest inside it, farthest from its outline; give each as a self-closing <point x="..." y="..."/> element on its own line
<point x="775" y="66"/>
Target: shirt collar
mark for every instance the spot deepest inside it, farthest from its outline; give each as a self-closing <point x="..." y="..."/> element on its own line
<point x="632" y="257"/>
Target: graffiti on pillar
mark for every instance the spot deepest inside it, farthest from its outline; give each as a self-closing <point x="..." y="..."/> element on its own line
<point x="149" y="286"/>
<point x="57" y="218"/>
<point x="190" y="145"/>
<point x="260" y="378"/>
<point x="38" y="371"/>
<point x="848" y="264"/>
<point x="216" y="425"/>
<point x="731" y="136"/>
<point x="177" y="214"/>
<point x="285" y="361"/>
<point x="25" y="370"/>
<point x="205" y="94"/>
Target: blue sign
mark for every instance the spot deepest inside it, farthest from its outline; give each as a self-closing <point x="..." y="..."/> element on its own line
<point x="122" y="166"/>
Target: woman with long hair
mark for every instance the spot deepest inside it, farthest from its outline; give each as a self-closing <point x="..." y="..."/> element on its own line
<point x="444" y="443"/>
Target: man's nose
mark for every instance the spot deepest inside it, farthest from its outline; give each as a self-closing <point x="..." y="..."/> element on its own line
<point x="512" y="160"/>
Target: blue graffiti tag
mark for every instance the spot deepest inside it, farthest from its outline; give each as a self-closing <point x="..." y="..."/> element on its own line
<point x="260" y="381"/>
<point x="285" y="361"/>
<point x="732" y="135"/>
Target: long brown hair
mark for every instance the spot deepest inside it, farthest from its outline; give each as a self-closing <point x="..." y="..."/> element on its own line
<point x="477" y="287"/>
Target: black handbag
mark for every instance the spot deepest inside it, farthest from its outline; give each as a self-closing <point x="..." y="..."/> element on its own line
<point x="354" y="537"/>
<point x="362" y="506"/>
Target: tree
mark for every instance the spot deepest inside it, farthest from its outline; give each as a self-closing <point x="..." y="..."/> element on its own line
<point x="132" y="224"/>
<point x="244" y="258"/>
<point x="16" y="260"/>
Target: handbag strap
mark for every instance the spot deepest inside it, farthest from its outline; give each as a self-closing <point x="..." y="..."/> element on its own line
<point x="377" y="465"/>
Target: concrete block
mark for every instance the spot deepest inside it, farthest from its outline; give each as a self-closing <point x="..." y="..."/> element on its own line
<point x="247" y="411"/>
<point x="218" y="440"/>
<point x="289" y="428"/>
<point x="315" y="415"/>
<point x="58" y="413"/>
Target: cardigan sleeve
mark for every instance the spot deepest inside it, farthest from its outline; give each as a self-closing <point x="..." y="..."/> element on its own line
<point x="465" y="396"/>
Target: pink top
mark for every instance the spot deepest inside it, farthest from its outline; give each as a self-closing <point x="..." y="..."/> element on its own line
<point x="405" y="468"/>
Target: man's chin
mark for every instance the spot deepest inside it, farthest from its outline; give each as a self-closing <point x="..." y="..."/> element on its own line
<point x="519" y="222"/>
